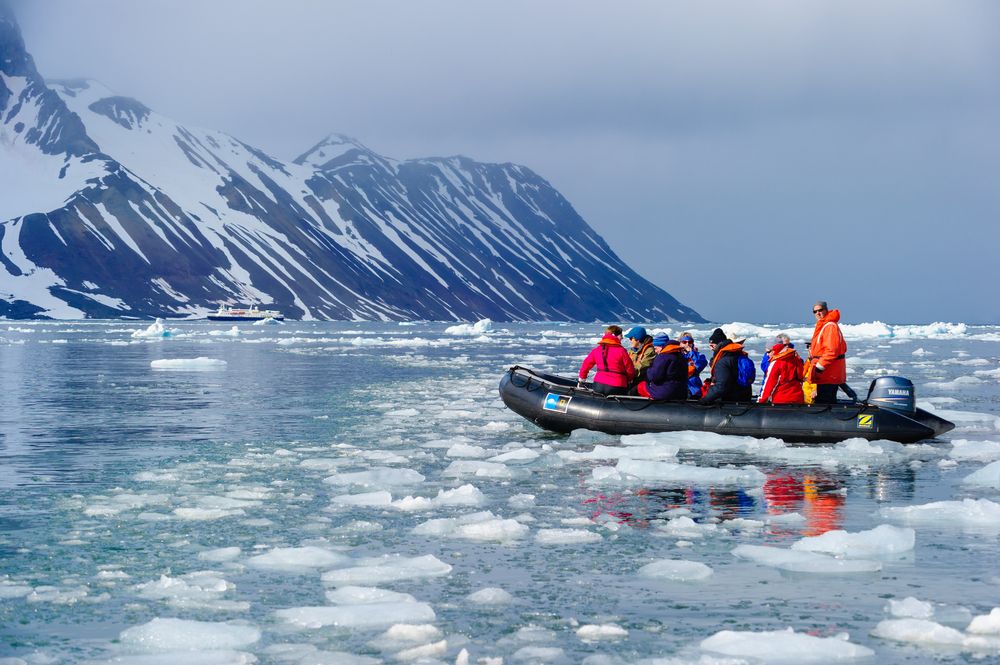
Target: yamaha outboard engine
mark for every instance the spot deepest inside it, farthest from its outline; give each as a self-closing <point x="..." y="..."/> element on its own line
<point x="893" y="392"/>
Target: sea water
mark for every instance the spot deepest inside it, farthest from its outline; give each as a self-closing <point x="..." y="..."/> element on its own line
<point x="192" y="492"/>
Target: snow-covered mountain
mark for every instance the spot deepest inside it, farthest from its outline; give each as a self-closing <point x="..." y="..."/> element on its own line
<point x="110" y="209"/>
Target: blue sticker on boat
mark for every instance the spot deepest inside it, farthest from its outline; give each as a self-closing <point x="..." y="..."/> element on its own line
<point x="866" y="421"/>
<point x="554" y="402"/>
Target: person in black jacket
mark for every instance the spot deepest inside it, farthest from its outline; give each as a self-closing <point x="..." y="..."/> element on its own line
<point x="725" y="370"/>
<point x="667" y="376"/>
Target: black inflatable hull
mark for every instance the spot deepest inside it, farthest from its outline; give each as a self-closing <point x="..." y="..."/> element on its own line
<point x="557" y="404"/>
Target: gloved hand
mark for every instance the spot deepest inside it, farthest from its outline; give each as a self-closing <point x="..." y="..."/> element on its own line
<point x="579" y="383"/>
<point x="819" y="368"/>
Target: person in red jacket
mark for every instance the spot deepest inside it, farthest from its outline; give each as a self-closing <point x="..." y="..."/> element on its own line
<point x="615" y="371"/>
<point x="783" y="382"/>
<point x="827" y="367"/>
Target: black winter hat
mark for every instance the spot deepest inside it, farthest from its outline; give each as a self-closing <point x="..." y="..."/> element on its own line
<point x="717" y="336"/>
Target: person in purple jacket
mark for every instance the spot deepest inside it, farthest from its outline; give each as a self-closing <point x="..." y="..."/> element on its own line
<point x="667" y="377"/>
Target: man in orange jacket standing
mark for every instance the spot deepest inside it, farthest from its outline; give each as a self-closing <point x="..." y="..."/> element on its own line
<point x="826" y="354"/>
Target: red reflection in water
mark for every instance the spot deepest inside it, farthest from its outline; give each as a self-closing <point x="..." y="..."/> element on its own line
<point x="818" y="499"/>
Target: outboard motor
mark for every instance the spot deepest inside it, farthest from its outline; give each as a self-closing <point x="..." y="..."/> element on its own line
<point x="893" y="392"/>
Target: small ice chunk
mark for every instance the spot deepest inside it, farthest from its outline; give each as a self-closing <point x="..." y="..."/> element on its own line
<point x="784" y="646"/>
<point x="566" y="537"/>
<point x="988" y="476"/>
<point x="986" y="624"/>
<point x="205" y="514"/>
<point x="685" y="527"/>
<point x="910" y="608"/>
<point x="460" y="468"/>
<point x="521" y="501"/>
<point x="367" y="615"/>
<point x="200" y="363"/>
<point x="363" y="595"/>
<point x="388" y="569"/>
<point x="466" y="495"/>
<point x="975" y="513"/>
<point x="918" y="631"/>
<point x="521" y="455"/>
<point x="803" y="562"/>
<point x="484" y="526"/>
<point x="404" y="635"/>
<point x="786" y="518"/>
<point x="606" y="631"/>
<point x="164" y="634"/>
<point x="466" y="450"/>
<point x="478" y="328"/>
<point x="378" y="477"/>
<point x="424" y="652"/>
<point x="379" y="498"/>
<point x="977" y="451"/>
<point x="490" y="596"/>
<point x="688" y="473"/>
<point x="220" y="554"/>
<point x="883" y="541"/>
<point x="533" y="654"/>
<point x="678" y="570"/>
<point x="297" y="559"/>
<point x="155" y="330"/>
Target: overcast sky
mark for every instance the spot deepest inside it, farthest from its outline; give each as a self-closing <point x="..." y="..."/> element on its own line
<point x="748" y="156"/>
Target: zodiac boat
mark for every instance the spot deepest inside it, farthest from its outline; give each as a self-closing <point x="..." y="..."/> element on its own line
<point x="558" y="404"/>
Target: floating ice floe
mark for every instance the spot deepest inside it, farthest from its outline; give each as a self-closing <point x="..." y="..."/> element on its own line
<point x="650" y="470"/>
<point x="154" y="331"/>
<point x="967" y="513"/>
<point x="988" y="477"/>
<point x="910" y="608"/>
<point x="198" y="590"/>
<point x="566" y="537"/>
<point x="268" y="321"/>
<point x="387" y="569"/>
<point x="785" y="646"/>
<point x="379" y="476"/>
<point x="935" y="636"/>
<point x="604" y="631"/>
<point x="220" y="554"/>
<point x="804" y="562"/>
<point x="977" y="451"/>
<point x="482" y="526"/>
<point x="884" y="541"/>
<point x="478" y="328"/>
<point x="466" y="495"/>
<point x="232" y="332"/>
<point x="685" y="527"/>
<point x="167" y="634"/>
<point x="363" y="615"/>
<point x="676" y="570"/>
<point x="189" y="364"/>
<point x="297" y="559"/>
<point x="408" y="638"/>
<point x="490" y="596"/>
<point x="462" y="468"/>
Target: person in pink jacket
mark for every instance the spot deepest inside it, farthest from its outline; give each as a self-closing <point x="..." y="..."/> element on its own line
<point x="615" y="371"/>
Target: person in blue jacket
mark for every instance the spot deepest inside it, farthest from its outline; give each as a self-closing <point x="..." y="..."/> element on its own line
<point x="696" y="363"/>
<point x="667" y="376"/>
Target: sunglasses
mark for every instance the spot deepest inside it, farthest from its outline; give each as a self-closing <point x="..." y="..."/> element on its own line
<point x="818" y="311"/>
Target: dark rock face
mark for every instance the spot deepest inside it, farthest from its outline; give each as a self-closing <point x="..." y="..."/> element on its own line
<point x="170" y="221"/>
<point x="127" y="112"/>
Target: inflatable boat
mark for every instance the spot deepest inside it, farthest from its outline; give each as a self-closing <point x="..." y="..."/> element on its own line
<point x="561" y="405"/>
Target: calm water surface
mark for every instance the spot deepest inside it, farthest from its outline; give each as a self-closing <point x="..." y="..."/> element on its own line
<point x="119" y="483"/>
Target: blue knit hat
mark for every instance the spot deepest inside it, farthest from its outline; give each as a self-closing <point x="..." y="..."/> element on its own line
<point x="661" y="339"/>
<point x="635" y="332"/>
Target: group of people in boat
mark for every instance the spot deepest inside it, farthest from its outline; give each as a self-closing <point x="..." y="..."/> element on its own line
<point x="658" y="367"/>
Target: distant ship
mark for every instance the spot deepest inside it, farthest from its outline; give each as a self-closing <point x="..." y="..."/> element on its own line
<point x="226" y="313"/>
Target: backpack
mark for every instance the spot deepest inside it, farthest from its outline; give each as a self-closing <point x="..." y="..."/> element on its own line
<point x="746" y="372"/>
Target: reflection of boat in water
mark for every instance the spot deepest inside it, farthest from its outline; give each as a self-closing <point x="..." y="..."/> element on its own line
<point x="556" y="403"/>
<point x="227" y="313"/>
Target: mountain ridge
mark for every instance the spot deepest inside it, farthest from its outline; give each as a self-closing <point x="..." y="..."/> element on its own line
<point x="138" y="215"/>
